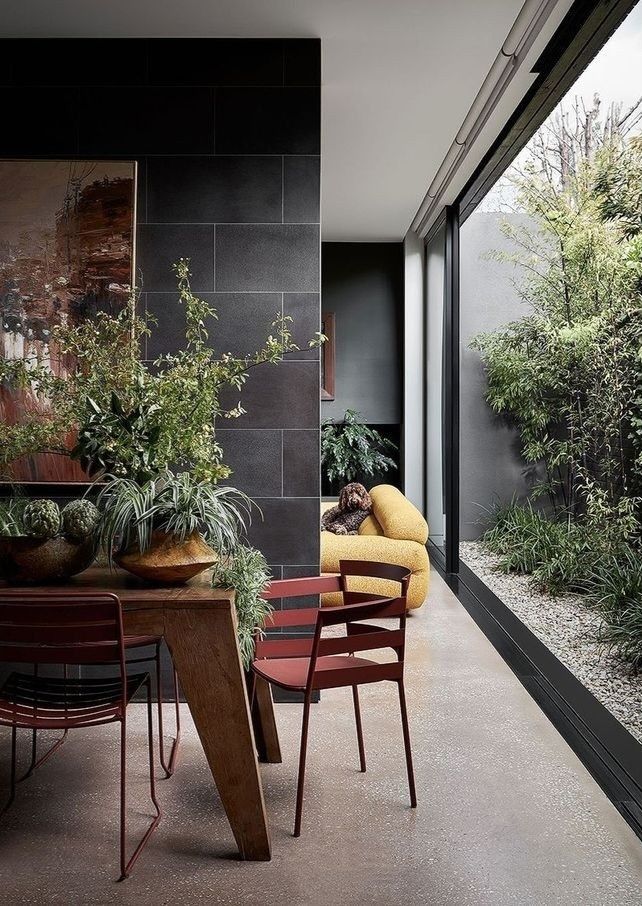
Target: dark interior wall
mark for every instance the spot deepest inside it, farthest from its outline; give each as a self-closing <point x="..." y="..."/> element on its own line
<point x="363" y="285"/>
<point x="226" y="135"/>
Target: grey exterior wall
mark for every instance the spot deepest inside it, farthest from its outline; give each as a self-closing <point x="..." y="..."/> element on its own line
<point x="363" y="285"/>
<point x="226" y="135"/>
<point x="491" y="466"/>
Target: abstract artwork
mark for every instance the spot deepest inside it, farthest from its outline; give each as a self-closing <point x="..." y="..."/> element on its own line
<point x="66" y="251"/>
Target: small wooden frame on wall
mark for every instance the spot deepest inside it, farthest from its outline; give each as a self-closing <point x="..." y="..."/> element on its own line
<point x="327" y="356"/>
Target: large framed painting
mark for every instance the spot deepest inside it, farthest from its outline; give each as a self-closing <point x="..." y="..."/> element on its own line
<point x="66" y="251"/>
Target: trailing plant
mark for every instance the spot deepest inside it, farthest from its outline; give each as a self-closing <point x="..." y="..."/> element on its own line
<point x="247" y="572"/>
<point x="177" y="504"/>
<point x="351" y="450"/>
<point x="134" y="418"/>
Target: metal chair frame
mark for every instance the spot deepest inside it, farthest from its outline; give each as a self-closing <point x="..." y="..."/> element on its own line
<point x="133" y="642"/>
<point x="70" y="629"/>
<point x="317" y="653"/>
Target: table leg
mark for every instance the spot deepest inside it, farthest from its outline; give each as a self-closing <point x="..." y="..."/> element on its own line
<point x="267" y="737"/>
<point x="203" y="645"/>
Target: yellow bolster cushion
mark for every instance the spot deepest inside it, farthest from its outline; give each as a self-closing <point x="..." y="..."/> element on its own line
<point x="397" y="516"/>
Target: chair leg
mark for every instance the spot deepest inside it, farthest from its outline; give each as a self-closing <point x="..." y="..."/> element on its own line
<point x="302" y="754"/>
<point x="357" y="717"/>
<point x="406" y="742"/>
<point x="12" y="781"/>
<point x="36" y="762"/>
<point x="123" y="798"/>
<point x="168" y="766"/>
<point x="126" y="867"/>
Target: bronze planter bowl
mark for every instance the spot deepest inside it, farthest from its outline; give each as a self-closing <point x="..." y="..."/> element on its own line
<point x="168" y="560"/>
<point x="33" y="561"/>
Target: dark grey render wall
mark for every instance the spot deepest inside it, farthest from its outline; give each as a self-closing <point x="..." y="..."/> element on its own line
<point x="363" y="285"/>
<point x="226" y="135"/>
<point x="491" y="466"/>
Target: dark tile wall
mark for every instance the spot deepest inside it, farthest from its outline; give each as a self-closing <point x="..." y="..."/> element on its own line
<point x="226" y="135"/>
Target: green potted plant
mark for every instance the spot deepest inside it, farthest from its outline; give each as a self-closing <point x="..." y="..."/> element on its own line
<point x="352" y="451"/>
<point x="172" y="527"/>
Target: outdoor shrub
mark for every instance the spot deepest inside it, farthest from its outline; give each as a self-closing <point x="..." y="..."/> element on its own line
<point x="622" y="632"/>
<point x="558" y="554"/>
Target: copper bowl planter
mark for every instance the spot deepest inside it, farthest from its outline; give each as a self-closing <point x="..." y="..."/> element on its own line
<point x="32" y="561"/>
<point x="168" y="560"/>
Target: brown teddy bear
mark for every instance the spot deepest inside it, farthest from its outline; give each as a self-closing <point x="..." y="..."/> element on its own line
<point x="354" y="505"/>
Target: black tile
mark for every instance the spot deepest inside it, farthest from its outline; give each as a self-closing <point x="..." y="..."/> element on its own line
<point x="301" y="464"/>
<point x="255" y="460"/>
<point x="305" y="311"/>
<point x="207" y="61"/>
<point x="79" y="61"/>
<point x="211" y="189"/>
<point x="301" y="189"/>
<point x="141" y="120"/>
<point x="289" y="533"/>
<point x="244" y="321"/>
<point x="38" y="122"/>
<point x="278" y="396"/>
<point x="302" y="61"/>
<point x="277" y="258"/>
<point x="243" y="324"/>
<point x="268" y="120"/>
<point x="160" y="246"/>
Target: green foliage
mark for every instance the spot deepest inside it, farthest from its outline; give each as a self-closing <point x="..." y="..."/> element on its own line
<point x="113" y="440"/>
<point x="41" y="518"/>
<point x="176" y="504"/>
<point x="616" y="589"/>
<point x="247" y="572"/>
<point x="80" y="519"/>
<point x="12" y="516"/>
<point x="351" y="450"/>
<point x="134" y="418"/>
<point x="555" y="553"/>
<point x="568" y="374"/>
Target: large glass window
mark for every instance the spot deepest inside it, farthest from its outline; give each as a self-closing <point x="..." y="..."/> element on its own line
<point x="551" y="380"/>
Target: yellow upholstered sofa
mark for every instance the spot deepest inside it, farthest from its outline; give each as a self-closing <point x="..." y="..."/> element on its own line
<point x="396" y="532"/>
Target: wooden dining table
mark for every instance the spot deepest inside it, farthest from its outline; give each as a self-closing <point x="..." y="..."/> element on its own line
<point x="198" y="623"/>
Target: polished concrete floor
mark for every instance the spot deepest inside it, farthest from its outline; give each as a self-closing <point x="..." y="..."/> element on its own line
<point x="507" y="814"/>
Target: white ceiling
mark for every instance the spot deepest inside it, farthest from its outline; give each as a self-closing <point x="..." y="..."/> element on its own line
<point x="398" y="79"/>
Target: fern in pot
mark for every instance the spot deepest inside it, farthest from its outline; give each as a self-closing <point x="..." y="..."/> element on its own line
<point x="170" y="528"/>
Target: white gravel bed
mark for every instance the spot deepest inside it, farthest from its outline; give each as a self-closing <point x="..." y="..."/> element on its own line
<point x="570" y="629"/>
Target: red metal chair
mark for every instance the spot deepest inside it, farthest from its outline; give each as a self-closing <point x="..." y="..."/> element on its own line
<point x="70" y="629"/>
<point x="317" y="662"/>
<point x="132" y="643"/>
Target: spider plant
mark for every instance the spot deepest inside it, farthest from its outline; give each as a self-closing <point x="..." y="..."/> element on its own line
<point x="176" y="504"/>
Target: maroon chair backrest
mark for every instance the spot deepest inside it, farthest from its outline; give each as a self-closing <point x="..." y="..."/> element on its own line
<point x="365" y="569"/>
<point x="59" y="628"/>
<point x="359" y="636"/>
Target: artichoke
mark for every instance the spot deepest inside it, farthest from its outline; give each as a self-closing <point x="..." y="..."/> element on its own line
<point x="42" y="519"/>
<point x="79" y="519"/>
